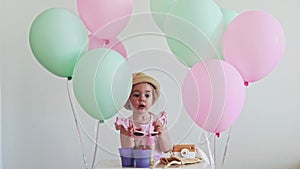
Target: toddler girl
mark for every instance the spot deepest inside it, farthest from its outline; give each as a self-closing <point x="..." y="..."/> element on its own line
<point x="135" y="129"/>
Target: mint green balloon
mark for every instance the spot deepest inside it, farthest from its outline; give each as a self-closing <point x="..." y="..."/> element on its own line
<point x="102" y="82"/>
<point x="194" y="30"/>
<point x="228" y="16"/>
<point x="57" y="39"/>
<point x="159" y="9"/>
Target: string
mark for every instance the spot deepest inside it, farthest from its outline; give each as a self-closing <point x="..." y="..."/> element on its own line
<point x="209" y="151"/>
<point x="106" y="42"/>
<point x="81" y="125"/>
<point x="77" y="128"/>
<point x="215" y="151"/>
<point x="96" y="141"/>
<point x="226" y="146"/>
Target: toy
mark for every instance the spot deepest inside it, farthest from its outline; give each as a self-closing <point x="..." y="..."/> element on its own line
<point x="184" y="150"/>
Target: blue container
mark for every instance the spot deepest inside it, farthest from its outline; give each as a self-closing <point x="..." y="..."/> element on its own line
<point x="127" y="161"/>
<point x="126" y="155"/>
<point x="142" y="158"/>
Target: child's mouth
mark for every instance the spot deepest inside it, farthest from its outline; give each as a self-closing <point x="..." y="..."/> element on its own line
<point x="142" y="106"/>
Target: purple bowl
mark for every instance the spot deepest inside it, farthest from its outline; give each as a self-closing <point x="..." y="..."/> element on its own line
<point x="142" y="158"/>
<point x="126" y="155"/>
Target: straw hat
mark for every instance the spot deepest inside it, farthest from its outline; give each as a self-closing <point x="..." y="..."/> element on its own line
<point x="143" y="78"/>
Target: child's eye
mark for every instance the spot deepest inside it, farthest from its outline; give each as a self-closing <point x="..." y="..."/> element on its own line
<point x="147" y="95"/>
<point x="136" y="95"/>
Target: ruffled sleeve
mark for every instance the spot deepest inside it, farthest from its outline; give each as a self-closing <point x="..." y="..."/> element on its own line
<point x="122" y="122"/>
<point x="162" y="118"/>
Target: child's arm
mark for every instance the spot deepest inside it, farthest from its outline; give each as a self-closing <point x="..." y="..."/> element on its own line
<point x="164" y="140"/>
<point x="127" y="141"/>
<point x="126" y="132"/>
<point x="160" y="126"/>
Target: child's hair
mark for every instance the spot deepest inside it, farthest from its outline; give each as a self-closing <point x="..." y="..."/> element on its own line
<point x="141" y="77"/>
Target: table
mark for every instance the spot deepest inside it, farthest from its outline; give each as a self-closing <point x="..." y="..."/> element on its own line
<point x="115" y="164"/>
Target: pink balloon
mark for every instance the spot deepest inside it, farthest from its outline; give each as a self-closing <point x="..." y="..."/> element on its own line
<point x="114" y="44"/>
<point x="105" y="18"/>
<point x="213" y="94"/>
<point x="254" y="43"/>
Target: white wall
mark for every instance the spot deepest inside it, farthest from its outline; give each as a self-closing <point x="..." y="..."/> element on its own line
<point x="1" y="54"/>
<point x="38" y="129"/>
<point x="0" y="128"/>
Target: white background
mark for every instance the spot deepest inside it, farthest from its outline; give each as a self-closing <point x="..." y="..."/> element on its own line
<point x="38" y="129"/>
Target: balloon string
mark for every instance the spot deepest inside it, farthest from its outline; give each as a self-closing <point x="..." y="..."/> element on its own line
<point x="226" y="146"/>
<point x="96" y="141"/>
<point x="215" y="151"/>
<point x="83" y="129"/>
<point x="209" y="151"/>
<point x="77" y="128"/>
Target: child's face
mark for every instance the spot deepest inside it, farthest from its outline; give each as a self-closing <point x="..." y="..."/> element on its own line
<point x="141" y="97"/>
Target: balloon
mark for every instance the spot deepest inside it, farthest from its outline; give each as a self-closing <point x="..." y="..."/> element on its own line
<point x="102" y="82"/>
<point x="57" y="39"/>
<point x="213" y="94"/>
<point x="194" y="30"/>
<point x="228" y="16"/>
<point x="114" y="44"/>
<point x="159" y="9"/>
<point x="254" y="43"/>
<point x="105" y="18"/>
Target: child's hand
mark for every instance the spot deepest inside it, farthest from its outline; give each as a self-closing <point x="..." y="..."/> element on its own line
<point x="158" y="126"/>
<point x="127" y="132"/>
<point x="125" y="126"/>
<point x="118" y="127"/>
